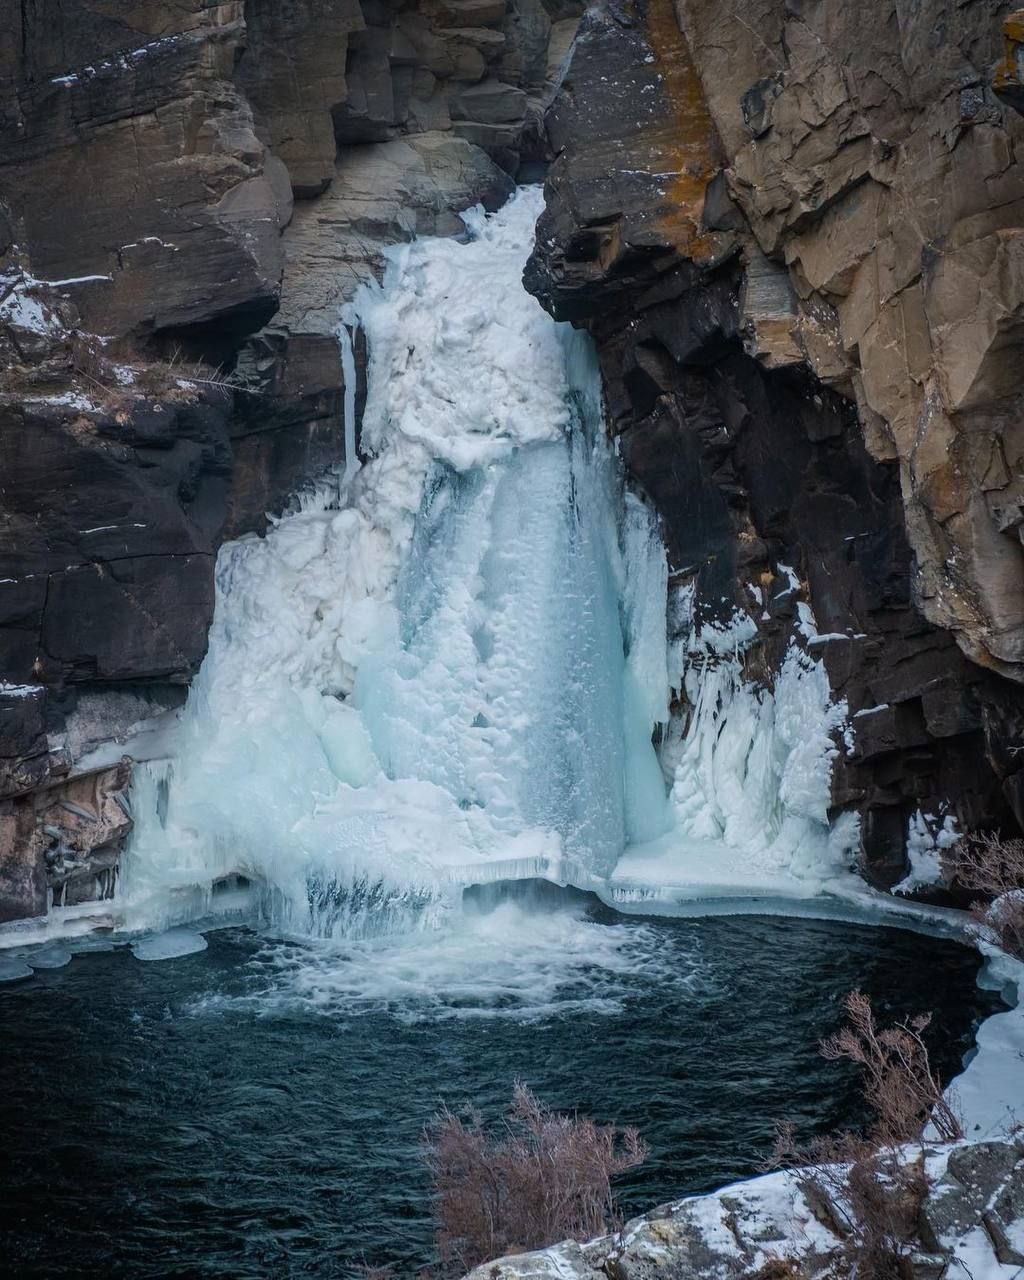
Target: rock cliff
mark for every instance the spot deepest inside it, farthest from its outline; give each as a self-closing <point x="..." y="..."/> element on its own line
<point x="795" y="231"/>
<point x="188" y="192"/>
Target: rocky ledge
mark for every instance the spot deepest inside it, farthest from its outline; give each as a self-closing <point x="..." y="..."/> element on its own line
<point x="970" y="1225"/>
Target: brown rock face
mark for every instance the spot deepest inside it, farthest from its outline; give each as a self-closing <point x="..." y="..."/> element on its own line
<point x="820" y="368"/>
<point x="64" y="843"/>
<point x="293" y="73"/>
<point x="128" y="154"/>
<point x="869" y="154"/>
<point x="628" y="80"/>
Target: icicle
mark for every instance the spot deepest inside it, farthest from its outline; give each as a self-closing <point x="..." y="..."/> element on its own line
<point x="348" y="370"/>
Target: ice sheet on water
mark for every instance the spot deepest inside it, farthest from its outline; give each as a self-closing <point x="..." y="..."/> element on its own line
<point x="48" y="957"/>
<point x="13" y="969"/>
<point x="169" y="945"/>
<point x="989" y="1092"/>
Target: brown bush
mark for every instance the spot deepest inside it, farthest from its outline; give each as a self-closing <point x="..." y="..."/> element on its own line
<point x="117" y="374"/>
<point x="864" y="1187"/>
<point x="899" y="1084"/>
<point x="983" y="862"/>
<point x="538" y="1178"/>
<point x="869" y="1196"/>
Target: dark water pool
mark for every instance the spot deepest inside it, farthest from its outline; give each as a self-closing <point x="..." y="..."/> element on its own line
<point x="254" y="1110"/>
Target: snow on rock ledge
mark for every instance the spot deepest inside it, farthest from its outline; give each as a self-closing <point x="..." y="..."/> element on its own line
<point x="972" y="1224"/>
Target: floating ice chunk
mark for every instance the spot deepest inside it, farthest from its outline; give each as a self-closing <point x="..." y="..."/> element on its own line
<point x="12" y="970"/>
<point x="169" y="945"/>
<point x="49" y="957"/>
<point x="88" y="945"/>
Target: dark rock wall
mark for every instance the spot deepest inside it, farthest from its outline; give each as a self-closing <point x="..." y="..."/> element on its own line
<point x="754" y="459"/>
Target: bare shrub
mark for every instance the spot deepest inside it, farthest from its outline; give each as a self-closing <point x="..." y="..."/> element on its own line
<point x="869" y="1196"/>
<point x="867" y="1189"/>
<point x="538" y="1178"/>
<point x="118" y="374"/>
<point x="985" y="863"/>
<point x="899" y="1084"/>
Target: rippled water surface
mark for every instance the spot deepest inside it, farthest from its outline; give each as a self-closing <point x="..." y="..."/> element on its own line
<point x="255" y="1109"/>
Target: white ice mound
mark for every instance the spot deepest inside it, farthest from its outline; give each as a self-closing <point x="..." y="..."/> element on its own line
<point x="450" y="672"/>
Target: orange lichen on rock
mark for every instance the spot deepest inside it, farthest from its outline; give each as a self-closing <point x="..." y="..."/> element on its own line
<point x="688" y="149"/>
<point x="1007" y="74"/>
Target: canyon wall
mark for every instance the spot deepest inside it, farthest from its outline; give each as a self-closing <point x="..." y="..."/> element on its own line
<point x="188" y="193"/>
<point x="796" y="232"/>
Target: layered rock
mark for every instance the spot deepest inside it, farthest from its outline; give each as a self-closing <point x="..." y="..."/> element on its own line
<point x="65" y="843"/>
<point x="128" y="155"/>
<point x="760" y="219"/>
<point x="870" y="155"/>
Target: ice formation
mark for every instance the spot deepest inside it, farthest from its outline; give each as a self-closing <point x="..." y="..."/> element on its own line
<point x="445" y="669"/>
<point x="928" y="836"/>
<point x="750" y="776"/>
<point x="451" y="674"/>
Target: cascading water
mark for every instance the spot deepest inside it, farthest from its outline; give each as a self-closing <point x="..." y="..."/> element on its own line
<point x="452" y="674"/>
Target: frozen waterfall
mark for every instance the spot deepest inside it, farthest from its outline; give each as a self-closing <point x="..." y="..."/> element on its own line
<point x="447" y="667"/>
<point x="451" y="673"/>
